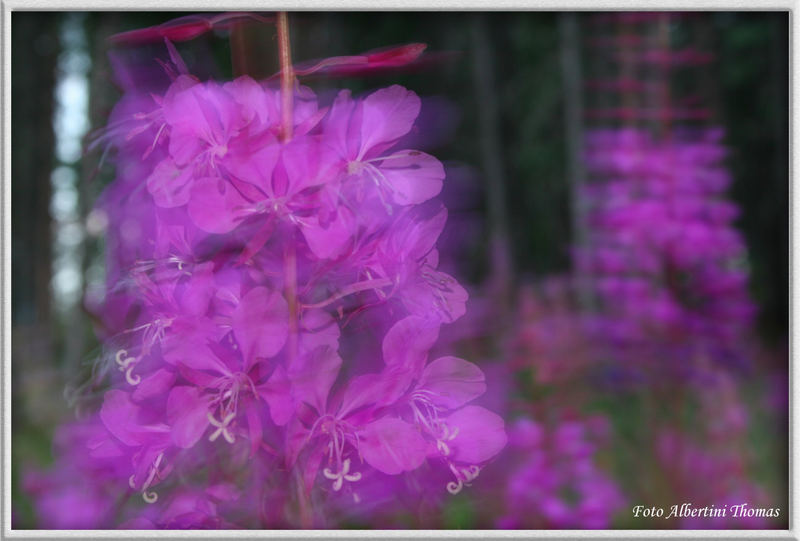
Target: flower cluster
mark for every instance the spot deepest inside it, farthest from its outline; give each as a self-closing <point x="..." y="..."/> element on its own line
<point x="273" y="294"/>
<point x="557" y="484"/>
<point x="668" y="266"/>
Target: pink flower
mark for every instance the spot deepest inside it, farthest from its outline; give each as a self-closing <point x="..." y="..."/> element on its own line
<point x="361" y="133"/>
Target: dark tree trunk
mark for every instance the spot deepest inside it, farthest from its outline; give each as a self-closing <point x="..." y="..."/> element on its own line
<point x="35" y="48"/>
<point x="491" y="159"/>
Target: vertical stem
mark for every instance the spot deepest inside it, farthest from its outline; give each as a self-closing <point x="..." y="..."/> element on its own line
<point x="290" y="256"/>
<point x="287" y="75"/>
<point x="290" y="275"/>
<point x="306" y="518"/>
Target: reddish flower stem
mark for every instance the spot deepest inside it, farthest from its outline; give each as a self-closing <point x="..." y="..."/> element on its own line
<point x="287" y="75"/>
<point x="290" y="275"/>
<point x="290" y="256"/>
<point x="306" y="516"/>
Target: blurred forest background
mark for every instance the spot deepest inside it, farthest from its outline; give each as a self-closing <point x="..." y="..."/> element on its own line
<point x="514" y="104"/>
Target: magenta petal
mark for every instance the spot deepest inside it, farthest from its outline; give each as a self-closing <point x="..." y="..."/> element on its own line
<point x="408" y="341"/>
<point x="318" y="328"/>
<point x="312" y="376"/>
<point x="254" y="168"/>
<point x="438" y="294"/>
<point x="296" y="438"/>
<point x="453" y="382"/>
<point x="187" y="412"/>
<point x="199" y="290"/>
<point x="277" y="394"/>
<point x="154" y="385"/>
<point x="191" y="351"/>
<point x="257" y="241"/>
<point x="388" y="114"/>
<point x="200" y="116"/>
<point x="330" y="240"/>
<point x="311" y="122"/>
<point x="104" y="447"/>
<point x="481" y="434"/>
<point x="250" y="95"/>
<point x="183" y="145"/>
<point x="337" y="123"/>
<point x="261" y="323"/>
<point x="392" y="446"/>
<point x="375" y="390"/>
<point x="306" y="163"/>
<point x="215" y="205"/>
<point x="119" y="415"/>
<point x="415" y="240"/>
<point x="169" y="184"/>
<point x="414" y="176"/>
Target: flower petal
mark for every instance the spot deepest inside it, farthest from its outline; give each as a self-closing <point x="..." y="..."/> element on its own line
<point x="414" y="176"/>
<point x="198" y="292"/>
<point x="261" y="323"/>
<point x="408" y="341"/>
<point x="119" y="415"/>
<point x="276" y="392"/>
<point x="169" y="184"/>
<point x="312" y="376"/>
<point x="453" y="382"/>
<point x="187" y="413"/>
<point x="330" y="240"/>
<point x="318" y="328"/>
<point x="215" y="205"/>
<point x="392" y="446"/>
<point x="154" y="385"/>
<point x="481" y="434"/>
<point x="375" y="390"/>
<point x="388" y="114"/>
<point x="438" y="295"/>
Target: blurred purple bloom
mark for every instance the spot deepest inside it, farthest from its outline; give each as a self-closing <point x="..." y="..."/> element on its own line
<point x="236" y="261"/>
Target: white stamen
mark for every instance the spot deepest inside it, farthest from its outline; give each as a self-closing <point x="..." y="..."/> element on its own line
<point x="130" y="378"/>
<point x="152" y="496"/>
<point x="454" y="488"/>
<point x="471" y="473"/>
<point x="342" y="476"/>
<point x="382" y="184"/>
<point x="464" y="476"/>
<point x="222" y="427"/>
<point x="393" y="156"/>
<point x="126" y="364"/>
<point x="123" y="360"/>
